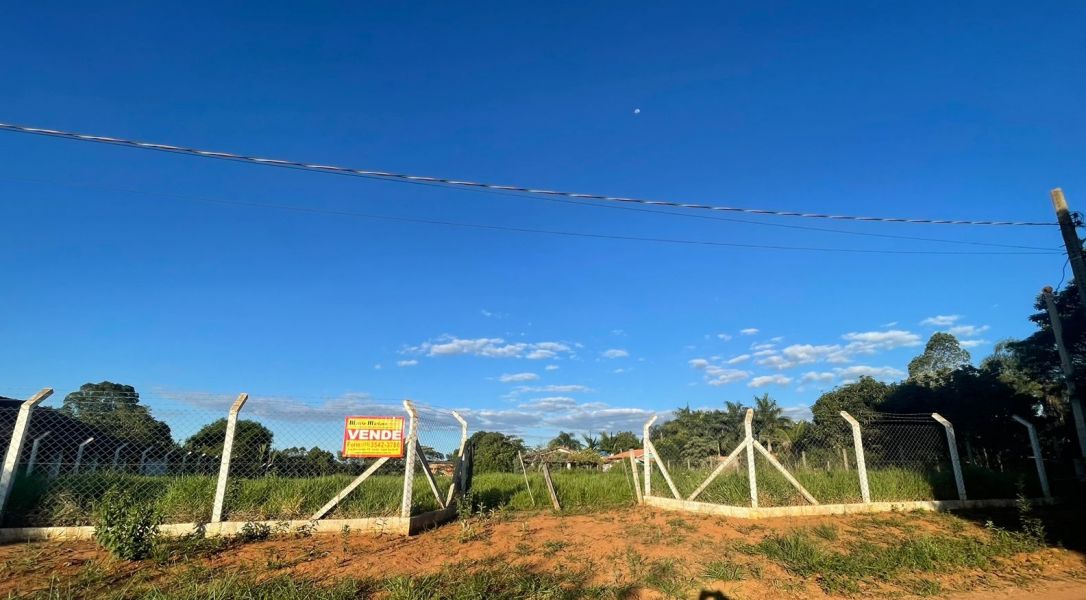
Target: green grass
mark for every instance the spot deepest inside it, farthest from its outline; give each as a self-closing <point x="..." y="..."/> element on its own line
<point x="71" y="500"/>
<point x="841" y="568"/>
<point x="841" y="487"/>
<point x="501" y="582"/>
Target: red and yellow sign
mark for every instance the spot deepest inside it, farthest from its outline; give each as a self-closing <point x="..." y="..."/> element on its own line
<point x="373" y="437"/>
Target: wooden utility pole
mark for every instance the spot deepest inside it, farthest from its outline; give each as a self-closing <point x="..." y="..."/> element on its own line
<point x="1071" y="242"/>
<point x="1067" y="367"/>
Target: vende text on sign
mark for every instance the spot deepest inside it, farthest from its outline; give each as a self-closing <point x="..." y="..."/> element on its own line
<point x="373" y="437"/>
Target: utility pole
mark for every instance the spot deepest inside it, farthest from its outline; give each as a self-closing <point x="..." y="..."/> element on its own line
<point x="1067" y="367"/>
<point x="1072" y="242"/>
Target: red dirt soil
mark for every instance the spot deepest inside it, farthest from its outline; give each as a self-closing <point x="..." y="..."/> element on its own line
<point x="610" y="543"/>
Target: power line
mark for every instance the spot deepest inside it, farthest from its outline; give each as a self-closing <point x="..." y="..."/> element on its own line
<point x="473" y="184"/>
<point x="625" y="208"/>
<point x="554" y="232"/>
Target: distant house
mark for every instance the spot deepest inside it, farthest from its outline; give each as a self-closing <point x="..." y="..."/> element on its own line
<point x="442" y="467"/>
<point x="637" y="453"/>
<point x="565" y="456"/>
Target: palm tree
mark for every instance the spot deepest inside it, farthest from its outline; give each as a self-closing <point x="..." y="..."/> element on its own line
<point x="607" y="442"/>
<point x="769" y="420"/>
<point x="590" y="443"/>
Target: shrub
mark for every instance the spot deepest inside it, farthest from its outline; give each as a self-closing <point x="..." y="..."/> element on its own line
<point x="254" y="532"/>
<point x="126" y="527"/>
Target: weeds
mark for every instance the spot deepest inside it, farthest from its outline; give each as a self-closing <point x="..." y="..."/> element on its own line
<point x="724" y="570"/>
<point x="125" y="527"/>
<point x="825" y="531"/>
<point x="254" y="532"/>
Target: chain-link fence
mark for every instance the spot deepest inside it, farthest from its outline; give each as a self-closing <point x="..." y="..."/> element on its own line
<point x="908" y="458"/>
<point x="286" y="460"/>
<point x="904" y="458"/>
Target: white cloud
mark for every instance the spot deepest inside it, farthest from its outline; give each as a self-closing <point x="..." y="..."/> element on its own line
<point x="550" y="403"/>
<point x="804" y="354"/>
<point x="941" y="320"/>
<point x="749" y="331"/>
<point x="551" y="368"/>
<point x="717" y="375"/>
<point x="407" y="363"/>
<point x="765" y="353"/>
<point x="869" y="342"/>
<point x="972" y="343"/>
<point x="849" y="374"/>
<point x="618" y="332"/>
<point x="620" y="371"/>
<point x="552" y="389"/>
<point x="775" y="361"/>
<point x="448" y="345"/>
<point x="282" y="408"/>
<point x="890" y="324"/>
<point x="517" y="377"/>
<point x="615" y="353"/>
<point x="543" y="418"/>
<point x="723" y="336"/>
<point x="377" y="366"/>
<point x="492" y="315"/>
<point x="738" y="359"/>
<point x="762" y="346"/>
<point x="967" y="330"/>
<point x="817" y="377"/>
<point x="764" y="380"/>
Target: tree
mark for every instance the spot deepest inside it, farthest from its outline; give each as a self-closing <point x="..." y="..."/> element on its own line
<point x="619" y="442"/>
<point x="769" y="422"/>
<point x="114" y="409"/>
<point x="252" y="441"/>
<point x="590" y="442"/>
<point x="495" y="451"/>
<point x="860" y="399"/>
<point x="942" y="356"/>
<point x="565" y="440"/>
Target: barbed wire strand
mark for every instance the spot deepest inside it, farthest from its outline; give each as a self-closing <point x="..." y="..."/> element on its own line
<point x="474" y="184"/>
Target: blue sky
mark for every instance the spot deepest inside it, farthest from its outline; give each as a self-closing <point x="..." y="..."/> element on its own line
<point x="116" y="265"/>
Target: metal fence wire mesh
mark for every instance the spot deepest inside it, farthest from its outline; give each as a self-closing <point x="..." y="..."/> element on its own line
<point x="165" y="449"/>
<point x="907" y="458"/>
<point x="440" y="441"/>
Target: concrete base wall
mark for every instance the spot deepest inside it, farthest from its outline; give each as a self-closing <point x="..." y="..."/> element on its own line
<point x="379" y="525"/>
<point x="744" y="512"/>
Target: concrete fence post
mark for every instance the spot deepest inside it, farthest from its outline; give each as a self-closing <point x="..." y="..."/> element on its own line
<point x="79" y="455"/>
<point x="861" y="463"/>
<point x="15" y="446"/>
<point x="646" y="455"/>
<point x="143" y="460"/>
<point x="460" y="457"/>
<point x="117" y="455"/>
<point x="752" y="475"/>
<point x="227" y="450"/>
<point x="1038" y="459"/>
<point x="955" y="462"/>
<point x="409" y="460"/>
<point x="34" y="452"/>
